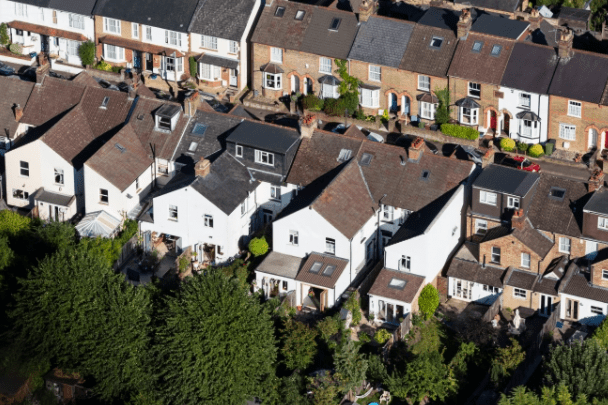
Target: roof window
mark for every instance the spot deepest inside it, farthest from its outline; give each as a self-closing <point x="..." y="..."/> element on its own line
<point x="199" y="129"/>
<point x="315" y="268"/>
<point x="557" y="193"/>
<point x="300" y="15"/>
<point x="477" y="45"/>
<point x="193" y="146"/>
<point x="104" y="103"/>
<point x="280" y="11"/>
<point x="121" y="148"/>
<point x="425" y="175"/>
<point x="397" y="283"/>
<point x="140" y="117"/>
<point x="496" y="49"/>
<point x="329" y="270"/>
<point x="335" y="24"/>
<point x="436" y="42"/>
<point x="345" y="154"/>
<point x="366" y="159"/>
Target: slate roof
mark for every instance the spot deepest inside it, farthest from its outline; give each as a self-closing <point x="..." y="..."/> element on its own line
<point x="381" y="285"/>
<point x="473" y="271"/>
<point x="320" y="40"/>
<point x="582" y="77"/>
<point x="14" y="91"/>
<point x="502" y="5"/>
<point x="538" y="63"/>
<point x="579" y="285"/>
<point x="138" y="45"/>
<point x="85" y="79"/>
<point x="382" y="41"/>
<point x="559" y="216"/>
<point x="223" y="18"/>
<point x="499" y="26"/>
<point x="441" y="18"/>
<point x="283" y="32"/>
<point x="84" y="7"/>
<point x="281" y="264"/>
<point x="598" y="203"/>
<point x="174" y="15"/>
<point x="269" y="137"/>
<point x="122" y="159"/>
<point x="547" y="34"/>
<point x="305" y="276"/>
<point x="37" y="3"/>
<point x="53" y="198"/>
<point x="51" y="98"/>
<point x="521" y="279"/>
<point x="506" y="180"/>
<point x="480" y="66"/>
<point x="420" y="57"/>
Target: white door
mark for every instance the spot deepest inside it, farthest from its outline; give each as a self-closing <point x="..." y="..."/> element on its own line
<point x="545" y="305"/>
<point x="233" y="78"/>
<point x="592" y="138"/>
<point x="590" y="250"/>
<point x="462" y="289"/>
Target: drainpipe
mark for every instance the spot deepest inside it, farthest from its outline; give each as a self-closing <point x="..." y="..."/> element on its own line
<point x="379" y="235"/>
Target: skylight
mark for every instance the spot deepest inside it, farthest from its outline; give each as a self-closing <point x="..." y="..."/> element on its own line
<point x="121" y="148"/>
<point x="335" y="24"/>
<point x="366" y="159"/>
<point x="199" y="129"/>
<point x="345" y="154"/>
<point x="477" y="46"/>
<point x="397" y="283"/>
<point x="300" y="15"/>
<point x="279" y="12"/>
<point x="329" y="270"/>
<point x="140" y="117"/>
<point x="316" y="266"/>
<point x="557" y="193"/>
<point x="496" y="49"/>
<point x="192" y="146"/>
<point x="436" y="42"/>
<point x="425" y="175"/>
<point x="104" y="103"/>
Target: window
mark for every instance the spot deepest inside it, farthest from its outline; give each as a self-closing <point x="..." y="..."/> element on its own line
<point x="513" y="202"/>
<point x="324" y="65"/>
<point x="597" y="310"/>
<point x="284" y="285"/>
<point x="173" y="38"/>
<point x="366" y="159"/>
<point x="405" y="263"/>
<point x="375" y="73"/>
<point x="403" y="216"/>
<point x="335" y="24"/>
<point x="193" y="146"/>
<point x="491" y="289"/>
<point x="103" y="196"/>
<point x="275" y="192"/>
<point x="495" y="254"/>
<point x="210" y="42"/>
<point x="72" y="47"/>
<point x="330" y="246"/>
<point x="233" y="47"/>
<point x="294" y="238"/>
<point x="76" y="21"/>
<point x="208" y="221"/>
<point x="567" y="132"/>
<point x="424" y="83"/>
<point x="485" y="197"/>
<point x="329" y="91"/>
<point x="602" y="223"/>
<point x="276" y="55"/>
<point x="209" y="72"/>
<point x="519" y="293"/>
<point x="24" y="168"/>
<point x="316" y="267"/>
<point x="265" y="158"/>
<point x="114" y="53"/>
<point x="300" y="15"/>
<point x="344" y="155"/>
<point x="557" y="193"/>
<point x="148" y="33"/>
<point x="58" y="176"/>
<point x="397" y="283"/>
<point x="279" y="12"/>
<point x="496" y="49"/>
<point x="525" y="260"/>
<point x="137" y="188"/>
<point x="427" y="110"/>
<point x="163" y="165"/>
<point x="20" y="10"/>
<point x="244" y="207"/>
<point x="19" y="33"/>
<point x="469" y="116"/>
<point x="387" y="213"/>
<point x="474" y="90"/>
<point x="272" y="81"/>
<point x="329" y="270"/>
<point x="436" y="42"/>
<point x="369" y="98"/>
<point x="135" y="30"/>
<point x="173" y="212"/>
<point x="239" y="151"/>
<point x="526" y="127"/>
<point x="574" y="108"/>
<point x="477" y="45"/>
<point x="604" y="274"/>
<point x="524" y="100"/>
<point x="111" y="25"/>
<point x="164" y="123"/>
<point x="20" y="194"/>
<point x="564" y="245"/>
<point x="54" y="16"/>
<point x="481" y="226"/>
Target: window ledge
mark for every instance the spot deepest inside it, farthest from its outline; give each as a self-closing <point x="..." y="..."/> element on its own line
<point x="104" y="203"/>
<point x="172" y="219"/>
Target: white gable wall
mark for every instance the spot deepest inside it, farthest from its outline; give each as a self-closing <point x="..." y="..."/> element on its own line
<point x="539" y="104"/>
<point x="585" y="316"/>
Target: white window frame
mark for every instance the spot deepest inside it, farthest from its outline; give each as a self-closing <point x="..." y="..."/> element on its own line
<point x="76" y="21"/>
<point x="602" y="223"/>
<point x="104" y="193"/>
<point x="329" y="91"/>
<point x="596" y="310"/>
<point x="244" y="206"/>
<point x="275" y="193"/>
<point x="388" y="213"/>
<point x="520" y="293"/>
<point x="486" y="197"/>
<point x="427" y="110"/>
<point x="565" y="245"/>
<point x="233" y="47"/>
<point x="273" y="81"/>
<point x="330" y="246"/>
<point x="20" y="194"/>
<point x="375" y="73"/>
<point x="113" y="53"/>
<point x="209" y="42"/>
<point x="71" y="47"/>
<point x="210" y="72"/>
<point x="424" y="83"/>
<point x="239" y="151"/>
<point x="58" y="173"/>
<point x="173" y="213"/>
<point x="469" y="116"/>
<point x="208" y="220"/>
<point x="481" y="225"/>
<point x="525" y="100"/>
<point x="24" y="168"/>
<point x="148" y="33"/>
<point x="495" y="253"/>
<point x="20" y="10"/>
<point x="173" y="38"/>
<point x="604" y="274"/>
<point x="111" y="25"/>
<point x="473" y="88"/>
<point x="135" y="30"/>
<point x="525" y="260"/>
<point x="325" y="65"/>
<point x="369" y="98"/>
<point x="294" y="238"/>
<point x="513" y="202"/>
<point x="276" y="55"/>
<point x="567" y="132"/>
<point x="575" y="108"/>
<point x="405" y="263"/>
<point x="264" y="158"/>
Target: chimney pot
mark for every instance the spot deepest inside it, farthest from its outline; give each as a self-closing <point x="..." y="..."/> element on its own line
<point x="202" y="168"/>
<point x="517" y="222"/>
<point x="596" y="181"/>
<point x="535" y="20"/>
<point x="415" y="150"/>
<point x="487" y="158"/>
<point x="191" y="103"/>
<point x="18" y="112"/>
<point x="366" y="10"/>
<point x="464" y="24"/>
<point x="308" y="124"/>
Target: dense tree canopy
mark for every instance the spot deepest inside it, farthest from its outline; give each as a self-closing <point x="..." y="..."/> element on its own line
<point x="299" y="345"/>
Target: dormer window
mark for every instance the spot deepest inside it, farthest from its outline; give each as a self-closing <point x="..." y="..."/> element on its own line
<point x="164" y="123"/>
<point x="265" y="158"/>
<point x="335" y="24"/>
<point x="166" y="117"/>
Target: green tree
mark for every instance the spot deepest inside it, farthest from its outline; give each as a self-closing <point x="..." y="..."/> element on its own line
<point x="460" y="361"/>
<point x="86" y="51"/>
<point x="55" y="236"/>
<point x="11" y="223"/>
<point x="601" y="334"/>
<point x="376" y="371"/>
<point x="442" y="115"/>
<point x="6" y="257"/>
<point x="299" y="345"/>
<point x="428" y="301"/>
<point x="4" y="38"/>
<point x="216" y="343"/>
<point x="505" y="361"/>
<point x="258" y="246"/>
<point x="351" y="367"/>
<point x="352" y="304"/>
<point x="75" y="311"/>
<point x="549" y="396"/>
<point x="324" y="389"/>
<point x="431" y="334"/>
<point x="292" y="390"/>
<point x="328" y="327"/>
<point x="582" y="368"/>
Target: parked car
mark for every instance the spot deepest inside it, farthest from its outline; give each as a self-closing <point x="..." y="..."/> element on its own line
<point x="217" y="106"/>
<point x="6" y="70"/>
<point x="56" y="75"/>
<point x="520" y="162"/>
<point x="375" y="137"/>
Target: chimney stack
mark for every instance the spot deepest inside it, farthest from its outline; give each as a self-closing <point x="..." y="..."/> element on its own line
<point x="202" y="168"/>
<point x="43" y="69"/>
<point x="191" y="103"/>
<point x="518" y="219"/>
<point x="534" y="20"/>
<point x="596" y="181"/>
<point x="414" y="152"/>
<point x="524" y="5"/>
<point x="366" y="9"/>
<point x="487" y="158"/>
<point x="464" y="24"/>
<point x="308" y="124"/>
<point x="564" y="43"/>
<point x="18" y="112"/>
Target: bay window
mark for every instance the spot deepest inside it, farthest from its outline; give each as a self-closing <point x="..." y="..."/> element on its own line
<point x="272" y="81"/>
<point x="469" y="116"/>
<point x="329" y="91"/>
<point x="114" y="53"/>
<point x="370" y="98"/>
<point x="427" y="110"/>
<point x="210" y="72"/>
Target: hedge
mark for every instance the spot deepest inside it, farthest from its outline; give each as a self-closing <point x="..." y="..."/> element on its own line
<point x="507" y="144"/>
<point x="334" y="107"/>
<point x="193" y="67"/>
<point x="536" y="150"/>
<point x="312" y="102"/>
<point x="458" y="131"/>
<point x="86" y="51"/>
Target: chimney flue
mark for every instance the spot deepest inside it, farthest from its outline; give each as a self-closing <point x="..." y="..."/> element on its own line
<point x="366" y="9"/>
<point x="415" y="150"/>
<point x="308" y="124"/>
<point x="596" y="181"/>
<point x="564" y="44"/>
<point x="464" y="24"/>
<point x="534" y="20"/>
<point x="517" y="222"/>
<point x="18" y="112"/>
<point x="202" y="168"/>
<point x="191" y="103"/>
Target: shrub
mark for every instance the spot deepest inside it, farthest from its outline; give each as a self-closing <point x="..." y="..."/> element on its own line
<point x="458" y="131"/>
<point x="4" y="38"/>
<point x="507" y="144"/>
<point x="385" y="116"/>
<point x="522" y="146"/>
<point x="312" y="102"/>
<point x="428" y="301"/>
<point x="360" y="115"/>
<point x="103" y="65"/>
<point x="328" y="327"/>
<point x="442" y="115"/>
<point x="505" y="361"/>
<point x="258" y="246"/>
<point x="333" y="107"/>
<point x="350" y="101"/>
<point x="16" y="48"/>
<point x="536" y="150"/>
<point x="420" y="124"/>
<point x="353" y="306"/>
<point x="86" y="51"/>
<point x="183" y="264"/>
<point x="601" y="334"/>
<point x="364" y="338"/>
<point x="193" y="66"/>
<point x="382" y="336"/>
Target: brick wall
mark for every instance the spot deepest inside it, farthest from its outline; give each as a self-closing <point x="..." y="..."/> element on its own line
<point x="511" y="250"/>
<point x="471" y="225"/>
<point x="459" y="89"/>
<point x="596" y="274"/>
<point x="531" y="301"/>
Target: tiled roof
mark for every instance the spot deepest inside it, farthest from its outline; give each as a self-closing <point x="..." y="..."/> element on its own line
<point x="413" y="284"/>
<point x="538" y="63"/>
<point x="281" y="264"/>
<point x="223" y="18"/>
<point x="583" y="77"/>
<point x="420" y="57"/>
<point x="382" y="41"/>
<point x="598" y="203"/>
<point x="472" y="271"/>
<point x="85" y="79"/>
<point x="50" y="99"/>
<point x="283" y="32"/>
<point x="320" y="40"/>
<point x="506" y="180"/>
<point x="172" y="15"/>
<point x="328" y="281"/>
<point x="44" y="30"/>
<point x="533" y="239"/>
<point x="579" y="285"/>
<point x="521" y="279"/>
<point x="480" y="66"/>
<point x="84" y="7"/>
<point x="138" y="45"/>
<point x="122" y="159"/>
<point x="499" y="26"/>
<point x="14" y="91"/>
<point x="269" y="137"/>
<point x="502" y="5"/>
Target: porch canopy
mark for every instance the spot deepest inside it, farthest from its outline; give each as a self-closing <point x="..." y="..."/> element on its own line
<point x="527" y="115"/>
<point x="139" y="46"/>
<point x="467" y="103"/>
<point x="427" y="98"/>
<point x="51" y="32"/>
<point x="98" y="223"/>
<point x="329" y="79"/>
<point x="53" y="198"/>
<point x="218" y="61"/>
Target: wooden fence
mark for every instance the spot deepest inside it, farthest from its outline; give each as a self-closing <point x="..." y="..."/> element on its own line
<point x="128" y="250"/>
<point x="402" y="330"/>
<point x="493" y="310"/>
<point x="549" y="326"/>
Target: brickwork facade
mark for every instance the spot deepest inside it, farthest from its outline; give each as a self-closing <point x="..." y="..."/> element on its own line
<point x="488" y="101"/>
<point x="471" y="231"/>
<point x="511" y="250"/>
<point x="532" y="299"/>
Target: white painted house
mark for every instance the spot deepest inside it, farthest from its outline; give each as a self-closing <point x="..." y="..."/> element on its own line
<point x="57" y="27"/>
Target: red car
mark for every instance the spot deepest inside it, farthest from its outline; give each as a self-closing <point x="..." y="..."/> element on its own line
<point x="520" y="162"/>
